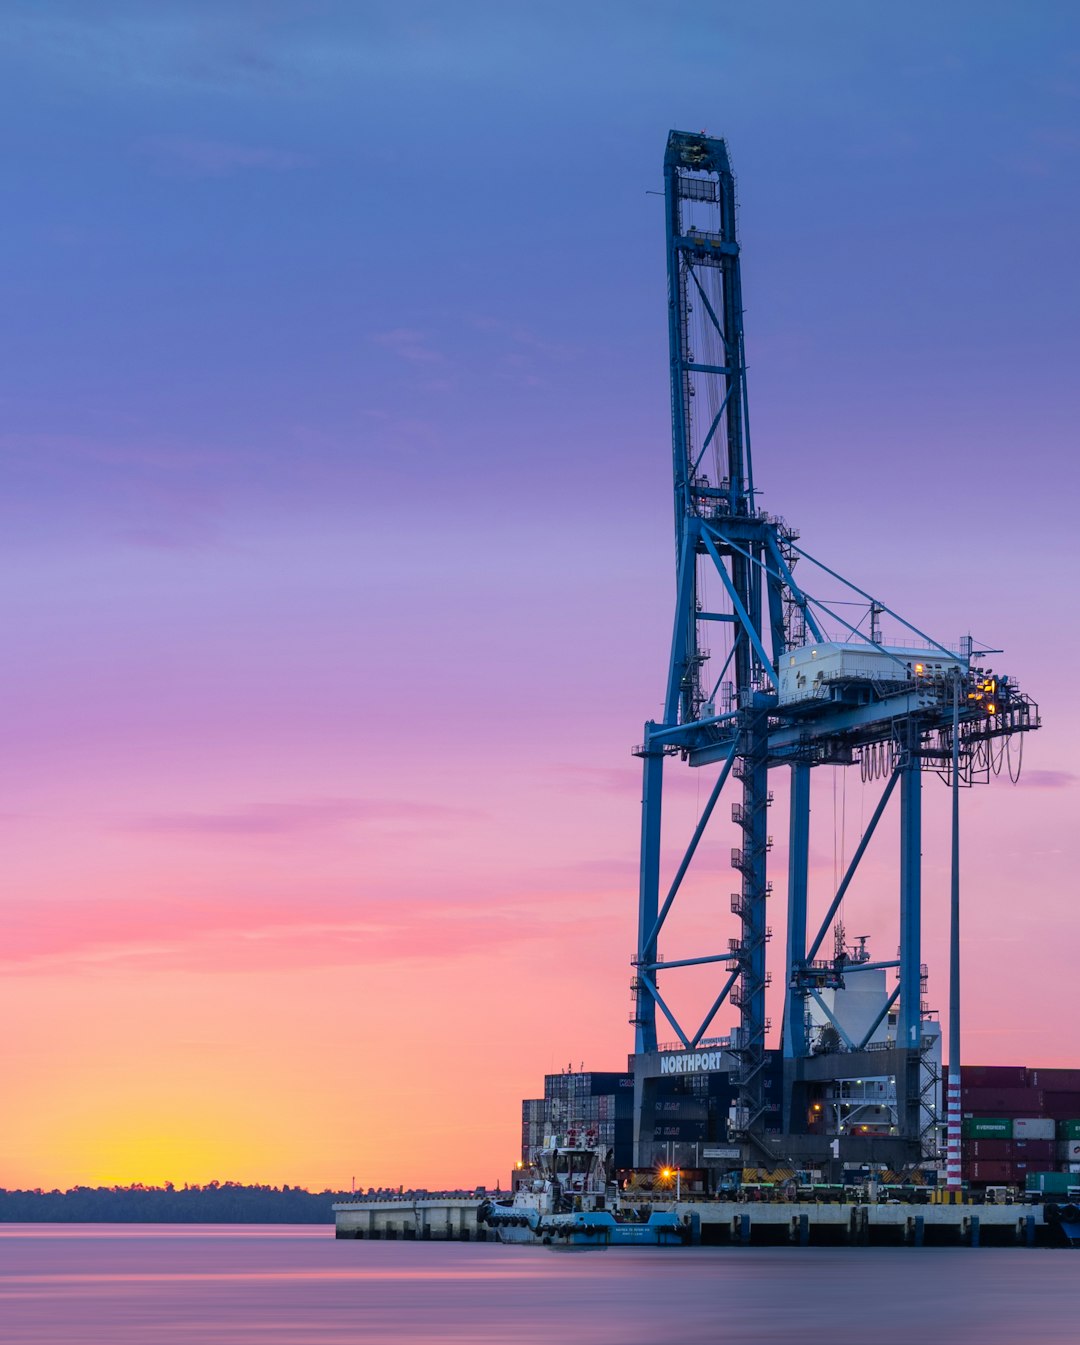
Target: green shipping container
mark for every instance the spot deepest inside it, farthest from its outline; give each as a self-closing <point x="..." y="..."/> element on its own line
<point x="1053" y="1183"/>
<point x="1068" y="1130"/>
<point x="987" y="1128"/>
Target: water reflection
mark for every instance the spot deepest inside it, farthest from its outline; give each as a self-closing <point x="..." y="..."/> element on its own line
<point x="298" y="1286"/>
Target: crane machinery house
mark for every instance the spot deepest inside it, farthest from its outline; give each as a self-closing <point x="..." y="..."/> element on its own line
<point x="822" y="671"/>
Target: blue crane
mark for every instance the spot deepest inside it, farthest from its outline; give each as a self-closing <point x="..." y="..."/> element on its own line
<point x="797" y="682"/>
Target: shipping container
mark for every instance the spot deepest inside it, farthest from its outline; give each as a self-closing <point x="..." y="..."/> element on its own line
<point x="1033" y="1128"/>
<point x="1002" y="1101"/>
<point x="1069" y="1151"/>
<point x="1034" y="1150"/>
<point x="1053" y="1183"/>
<point x="987" y="1127"/>
<point x="994" y="1076"/>
<point x="680" y="1130"/>
<point x="989" y="1151"/>
<point x="1068" y="1130"/>
<point x="1060" y="1105"/>
<point x="992" y="1173"/>
<point x="1057" y="1080"/>
<point x="681" y="1108"/>
<point x="1013" y="1151"/>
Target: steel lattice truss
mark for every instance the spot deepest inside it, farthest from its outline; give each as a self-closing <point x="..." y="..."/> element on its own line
<point x="796" y="683"/>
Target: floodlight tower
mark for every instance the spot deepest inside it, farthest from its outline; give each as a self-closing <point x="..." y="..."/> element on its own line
<point x="786" y="693"/>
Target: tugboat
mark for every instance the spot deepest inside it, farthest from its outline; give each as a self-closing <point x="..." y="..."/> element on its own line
<point x="571" y="1200"/>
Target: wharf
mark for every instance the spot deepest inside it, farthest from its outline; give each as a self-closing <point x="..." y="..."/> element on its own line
<point x="737" y="1223"/>
<point x="429" y="1218"/>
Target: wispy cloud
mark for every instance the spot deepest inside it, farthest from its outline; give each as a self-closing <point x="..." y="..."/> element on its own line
<point x="1048" y="779"/>
<point x="517" y="334"/>
<point x="286" y="819"/>
<point x="627" y="780"/>
<point x="188" y="157"/>
<point x="407" y="343"/>
<point x="606" y="779"/>
<point x="229" y="933"/>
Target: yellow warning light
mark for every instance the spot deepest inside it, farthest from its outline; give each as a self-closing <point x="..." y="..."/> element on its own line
<point x="991" y="709"/>
<point x="919" y="669"/>
<point x="665" y="1173"/>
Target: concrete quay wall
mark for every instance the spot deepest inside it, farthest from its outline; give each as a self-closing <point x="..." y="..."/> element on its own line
<point x="735" y="1223"/>
<point x="804" y="1223"/>
<point x="440" y="1219"/>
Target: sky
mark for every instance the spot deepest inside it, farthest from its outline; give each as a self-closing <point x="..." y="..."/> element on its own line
<point x="335" y="519"/>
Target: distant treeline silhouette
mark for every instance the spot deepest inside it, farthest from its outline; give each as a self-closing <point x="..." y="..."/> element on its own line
<point x="216" y="1203"/>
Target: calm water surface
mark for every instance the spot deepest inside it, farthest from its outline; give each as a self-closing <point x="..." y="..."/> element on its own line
<point x="236" y="1285"/>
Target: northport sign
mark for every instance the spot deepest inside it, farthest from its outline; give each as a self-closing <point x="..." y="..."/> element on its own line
<point x="692" y="1062"/>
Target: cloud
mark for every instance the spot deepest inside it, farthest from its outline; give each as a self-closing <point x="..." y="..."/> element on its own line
<point x="409" y="344"/>
<point x="689" y="783"/>
<point x="188" y="157"/>
<point x="606" y="779"/>
<point x="226" y="933"/>
<point x="1048" y="779"/>
<point x="286" y="819"/>
<point x="518" y="334"/>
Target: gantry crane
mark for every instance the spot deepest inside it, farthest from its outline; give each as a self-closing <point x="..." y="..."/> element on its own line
<point x="763" y="675"/>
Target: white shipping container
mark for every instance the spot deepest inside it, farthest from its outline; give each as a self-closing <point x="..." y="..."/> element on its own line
<point x="1072" y="1150"/>
<point x="1034" y="1128"/>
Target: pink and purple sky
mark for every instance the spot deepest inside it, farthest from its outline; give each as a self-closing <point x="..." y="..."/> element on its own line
<point x="337" y="535"/>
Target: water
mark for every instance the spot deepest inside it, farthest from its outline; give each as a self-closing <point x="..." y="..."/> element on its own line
<point x="233" y="1285"/>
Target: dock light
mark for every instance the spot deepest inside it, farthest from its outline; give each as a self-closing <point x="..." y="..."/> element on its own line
<point x="919" y="669"/>
<point x="665" y="1173"/>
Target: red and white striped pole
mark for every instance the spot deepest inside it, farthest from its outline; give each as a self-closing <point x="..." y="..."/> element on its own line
<point x="953" y="1171"/>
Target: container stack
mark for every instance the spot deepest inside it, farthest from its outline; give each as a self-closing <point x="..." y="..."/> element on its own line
<point x="591" y="1109"/>
<point x="1018" y="1123"/>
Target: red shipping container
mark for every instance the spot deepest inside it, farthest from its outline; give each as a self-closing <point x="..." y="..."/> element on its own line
<point x="1061" y="1106"/>
<point x="994" y="1076"/>
<point x="1002" y="1174"/>
<point x="1031" y="1149"/>
<point x="1059" y="1080"/>
<point x="995" y="1151"/>
<point x="1002" y="1101"/>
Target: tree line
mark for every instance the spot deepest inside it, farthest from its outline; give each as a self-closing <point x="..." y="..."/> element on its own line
<point x="215" y="1203"/>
